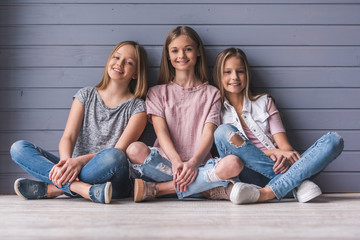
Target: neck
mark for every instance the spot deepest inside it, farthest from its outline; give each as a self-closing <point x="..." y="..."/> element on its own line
<point x="117" y="90"/>
<point x="236" y="100"/>
<point x="186" y="79"/>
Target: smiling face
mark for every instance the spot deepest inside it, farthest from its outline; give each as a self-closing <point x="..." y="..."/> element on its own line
<point x="234" y="76"/>
<point x="122" y="66"/>
<point x="183" y="53"/>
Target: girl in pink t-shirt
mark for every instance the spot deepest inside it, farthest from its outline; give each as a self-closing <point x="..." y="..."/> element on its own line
<point x="252" y="130"/>
<point x="185" y="111"/>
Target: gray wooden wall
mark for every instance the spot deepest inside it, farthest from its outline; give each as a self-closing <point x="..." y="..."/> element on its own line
<point x="305" y="53"/>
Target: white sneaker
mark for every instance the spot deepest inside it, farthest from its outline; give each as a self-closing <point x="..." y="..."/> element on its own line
<point x="244" y="193"/>
<point x="306" y="191"/>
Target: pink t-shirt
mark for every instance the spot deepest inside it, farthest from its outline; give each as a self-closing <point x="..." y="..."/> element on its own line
<point x="274" y="125"/>
<point x="186" y="110"/>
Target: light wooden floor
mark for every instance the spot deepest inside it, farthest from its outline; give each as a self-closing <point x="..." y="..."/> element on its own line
<point x="332" y="216"/>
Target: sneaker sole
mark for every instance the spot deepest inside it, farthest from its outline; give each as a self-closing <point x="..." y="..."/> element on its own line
<point x="139" y="188"/>
<point x="16" y="188"/>
<point x="309" y="197"/>
<point x="108" y="192"/>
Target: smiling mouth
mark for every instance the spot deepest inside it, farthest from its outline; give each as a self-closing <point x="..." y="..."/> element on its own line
<point x="118" y="70"/>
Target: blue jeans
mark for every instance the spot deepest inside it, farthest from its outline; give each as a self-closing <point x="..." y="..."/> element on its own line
<point x="312" y="161"/>
<point x="157" y="168"/>
<point x="108" y="165"/>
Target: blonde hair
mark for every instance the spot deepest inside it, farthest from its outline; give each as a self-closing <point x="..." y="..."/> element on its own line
<point x="167" y="71"/>
<point x="138" y="86"/>
<point x="221" y="58"/>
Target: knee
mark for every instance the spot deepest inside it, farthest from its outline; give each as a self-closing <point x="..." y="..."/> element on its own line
<point x="235" y="164"/>
<point x="336" y="142"/>
<point x="114" y="156"/>
<point x="17" y="147"/>
<point x="229" y="167"/>
<point x="137" y="152"/>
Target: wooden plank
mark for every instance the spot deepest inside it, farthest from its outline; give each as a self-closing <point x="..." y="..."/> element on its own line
<point x="258" y="35"/>
<point x="293" y="119"/>
<point x="181" y="13"/>
<point x="287" y="77"/>
<point x="312" y="98"/>
<point x="96" y="56"/>
<point x="61" y="77"/>
<point x="321" y="119"/>
<point x="303" y="139"/>
<point x="339" y="182"/>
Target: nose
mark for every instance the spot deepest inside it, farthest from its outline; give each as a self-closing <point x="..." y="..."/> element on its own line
<point x="234" y="76"/>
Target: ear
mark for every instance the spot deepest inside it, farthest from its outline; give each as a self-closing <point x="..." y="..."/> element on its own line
<point x="134" y="76"/>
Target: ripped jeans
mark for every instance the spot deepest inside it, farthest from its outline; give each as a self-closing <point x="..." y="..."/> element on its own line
<point x="157" y="168"/>
<point x="312" y="161"/>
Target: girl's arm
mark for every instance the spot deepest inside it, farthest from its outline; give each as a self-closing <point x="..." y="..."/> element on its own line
<point x="190" y="168"/>
<point x="61" y="172"/>
<point x="284" y="156"/>
<point x="167" y="145"/>
<point x="133" y="131"/>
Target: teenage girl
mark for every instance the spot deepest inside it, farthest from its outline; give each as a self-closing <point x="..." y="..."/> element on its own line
<point x="252" y="130"/>
<point x="103" y="121"/>
<point x="185" y="111"/>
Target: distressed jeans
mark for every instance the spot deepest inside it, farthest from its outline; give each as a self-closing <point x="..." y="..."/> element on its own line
<point x="312" y="161"/>
<point x="108" y="165"/>
<point x="157" y="168"/>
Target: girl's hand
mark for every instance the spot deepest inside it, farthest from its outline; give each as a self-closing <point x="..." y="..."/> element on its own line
<point x="283" y="160"/>
<point x="65" y="171"/>
<point x="187" y="176"/>
<point x="177" y="169"/>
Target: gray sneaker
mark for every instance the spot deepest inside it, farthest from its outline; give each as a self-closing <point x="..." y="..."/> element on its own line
<point x="306" y="191"/>
<point x="101" y="193"/>
<point x="242" y="193"/>
<point x="29" y="189"/>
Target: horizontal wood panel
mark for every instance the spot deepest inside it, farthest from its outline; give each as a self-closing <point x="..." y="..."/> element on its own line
<point x="300" y="139"/>
<point x="303" y="139"/>
<point x="155" y="35"/>
<point x="339" y="182"/>
<point x="181" y="14"/>
<point x="96" y="56"/>
<point x="311" y="98"/>
<point x="261" y="77"/>
<point x="328" y="182"/>
<point x="293" y="119"/>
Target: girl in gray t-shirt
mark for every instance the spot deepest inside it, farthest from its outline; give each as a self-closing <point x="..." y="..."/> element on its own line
<point x="103" y="121"/>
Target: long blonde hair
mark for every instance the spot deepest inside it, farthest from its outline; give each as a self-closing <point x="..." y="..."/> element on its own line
<point x="219" y="71"/>
<point x="167" y="71"/>
<point x="138" y="86"/>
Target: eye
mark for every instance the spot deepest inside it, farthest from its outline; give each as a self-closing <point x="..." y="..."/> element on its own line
<point x="174" y="51"/>
<point x="130" y="63"/>
<point x="227" y="72"/>
<point x="241" y="72"/>
<point x="188" y="49"/>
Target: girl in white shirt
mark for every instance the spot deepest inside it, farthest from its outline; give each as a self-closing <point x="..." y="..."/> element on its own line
<point x="252" y="130"/>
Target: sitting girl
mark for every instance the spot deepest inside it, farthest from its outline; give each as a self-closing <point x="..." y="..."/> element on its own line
<point x="252" y="130"/>
<point x="103" y="121"/>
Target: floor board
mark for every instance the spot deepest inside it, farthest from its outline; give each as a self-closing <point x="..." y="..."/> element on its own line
<point x="331" y="216"/>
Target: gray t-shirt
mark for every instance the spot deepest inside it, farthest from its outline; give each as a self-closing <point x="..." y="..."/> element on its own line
<point x="102" y="126"/>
